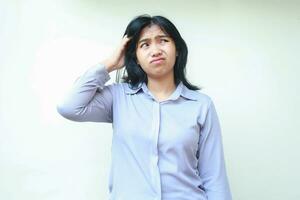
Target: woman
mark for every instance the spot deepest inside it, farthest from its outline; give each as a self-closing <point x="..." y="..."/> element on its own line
<point x="167" y="142"/>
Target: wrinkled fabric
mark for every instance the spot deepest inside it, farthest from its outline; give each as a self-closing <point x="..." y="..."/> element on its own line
<point x="161" y="150"/>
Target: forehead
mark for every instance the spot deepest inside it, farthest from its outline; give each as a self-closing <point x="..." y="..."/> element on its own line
<point x="151" y="31"/>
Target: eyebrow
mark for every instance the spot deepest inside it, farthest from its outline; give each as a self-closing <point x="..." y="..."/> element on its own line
<point x="158" y="36"/>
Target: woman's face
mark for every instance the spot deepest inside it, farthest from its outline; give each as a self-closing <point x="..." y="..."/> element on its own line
<point x="156" y="53"/>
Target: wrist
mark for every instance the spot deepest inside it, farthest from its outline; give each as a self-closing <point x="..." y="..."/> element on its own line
<point x="108" y="66"/>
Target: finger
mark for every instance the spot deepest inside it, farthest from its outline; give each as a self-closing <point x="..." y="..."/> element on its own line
<point x="126" y="38"/>
<point x="125" y="41"/>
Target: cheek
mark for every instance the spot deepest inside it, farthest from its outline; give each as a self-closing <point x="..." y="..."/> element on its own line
<point x="173" y="56"/>
<point x="141" y="58"/>
<point x="171" y="51"/>
<point x="138" y="56"/>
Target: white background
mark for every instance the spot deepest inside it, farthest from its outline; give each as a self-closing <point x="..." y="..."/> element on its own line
<point x="245" y="55"/>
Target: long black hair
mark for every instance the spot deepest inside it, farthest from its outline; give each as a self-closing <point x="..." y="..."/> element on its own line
<point x="135" y="74"/>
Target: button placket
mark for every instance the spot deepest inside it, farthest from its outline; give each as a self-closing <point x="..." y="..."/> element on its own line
<point x="154" y="156"/>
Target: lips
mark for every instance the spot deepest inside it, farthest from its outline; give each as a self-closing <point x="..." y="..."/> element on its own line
<point x="157" y="59"/>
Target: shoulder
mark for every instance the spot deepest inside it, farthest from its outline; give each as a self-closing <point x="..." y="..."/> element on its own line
<point x="202" y="97"/>
<point x="123" y="88"/>
<point x="203" y="103"/>
<point x="198" y="96"/>
<point x="207" y="112"/>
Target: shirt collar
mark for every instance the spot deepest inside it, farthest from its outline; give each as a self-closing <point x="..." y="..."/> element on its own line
<point x="181" y="90"/>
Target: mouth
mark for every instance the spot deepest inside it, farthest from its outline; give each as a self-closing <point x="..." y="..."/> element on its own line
<point x="157" y="60"/>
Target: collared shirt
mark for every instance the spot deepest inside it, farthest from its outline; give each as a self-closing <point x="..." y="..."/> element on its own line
<point x="161" y="150"/>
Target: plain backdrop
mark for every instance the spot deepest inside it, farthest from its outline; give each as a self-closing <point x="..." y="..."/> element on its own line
<point x="244" y="53"/>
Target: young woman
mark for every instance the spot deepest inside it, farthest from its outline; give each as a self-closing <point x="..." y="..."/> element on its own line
<point x="167" y="142"/>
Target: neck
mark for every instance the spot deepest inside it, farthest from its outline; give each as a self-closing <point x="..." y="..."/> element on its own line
<point x="161" y="88"/>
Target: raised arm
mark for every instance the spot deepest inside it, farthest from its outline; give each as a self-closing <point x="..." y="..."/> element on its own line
<point x="90" y="99"/>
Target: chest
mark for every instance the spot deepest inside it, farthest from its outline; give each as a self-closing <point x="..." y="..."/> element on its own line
<point x="142" y="121"/>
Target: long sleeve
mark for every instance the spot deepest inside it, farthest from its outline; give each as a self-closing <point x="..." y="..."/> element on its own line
<point x="89" y="99"/>
<point x="211" y="158"/>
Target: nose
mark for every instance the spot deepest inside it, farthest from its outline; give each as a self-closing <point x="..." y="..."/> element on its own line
<point x="155" y="51"/>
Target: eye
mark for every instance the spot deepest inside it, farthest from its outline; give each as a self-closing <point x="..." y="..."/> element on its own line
<point x="163" y="40"/>
<point x="144" y="45"/>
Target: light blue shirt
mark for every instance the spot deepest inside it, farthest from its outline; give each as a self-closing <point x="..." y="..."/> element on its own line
<point x="167" y="150"/>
